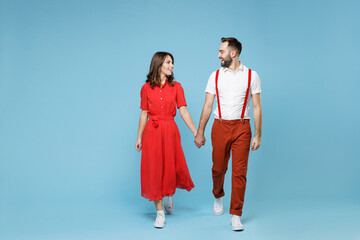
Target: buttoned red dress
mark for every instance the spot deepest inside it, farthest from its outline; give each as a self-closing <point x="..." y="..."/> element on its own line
<point x="163" y="165"/>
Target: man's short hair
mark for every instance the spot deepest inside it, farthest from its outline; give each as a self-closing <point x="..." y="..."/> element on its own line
<point x="233" y="43"/>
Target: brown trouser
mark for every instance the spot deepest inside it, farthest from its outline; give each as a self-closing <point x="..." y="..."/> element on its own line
<point x="234" y="135"/>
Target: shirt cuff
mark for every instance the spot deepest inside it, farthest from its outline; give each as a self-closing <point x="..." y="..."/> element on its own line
<point x="179" y="106"/>
<point x="258" y="91"/>
<point x="208" y="91"/>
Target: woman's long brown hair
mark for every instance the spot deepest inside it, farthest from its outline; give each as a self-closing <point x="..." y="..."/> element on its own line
<point x="154" y="73"/>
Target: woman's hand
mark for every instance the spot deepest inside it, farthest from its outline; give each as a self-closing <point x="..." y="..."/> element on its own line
<point x="199" y="139"/>
<point x="138" y="145"/>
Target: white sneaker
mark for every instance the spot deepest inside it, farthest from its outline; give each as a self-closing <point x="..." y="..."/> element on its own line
<point x="160" y="220"/>
<point x="218" y="206"/>
<point x="168" y="204"/>
<point x="236" y="223"/>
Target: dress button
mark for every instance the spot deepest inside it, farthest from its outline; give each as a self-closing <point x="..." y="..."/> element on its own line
<point x="161" y="98"/>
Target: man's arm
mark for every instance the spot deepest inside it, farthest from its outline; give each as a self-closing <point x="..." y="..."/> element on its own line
<point x="256" y="100"/>
<point x="204" y="118"/>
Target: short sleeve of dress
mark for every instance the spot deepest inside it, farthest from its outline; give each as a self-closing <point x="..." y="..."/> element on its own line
<point x="255" y="83"/>
<point x="144" y="97"/>
<point x="180" y="97"/>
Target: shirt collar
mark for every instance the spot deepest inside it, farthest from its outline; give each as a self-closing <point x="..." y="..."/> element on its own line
<point x="240" y="68"/>
<point x="165" y="84"/>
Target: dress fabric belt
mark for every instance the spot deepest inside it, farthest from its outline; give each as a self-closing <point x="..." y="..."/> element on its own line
<point x="156" y="118"/>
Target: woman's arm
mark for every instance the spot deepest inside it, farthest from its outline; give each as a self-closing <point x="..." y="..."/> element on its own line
<point x="142" y="123"/>
<point x="187" y="119"/>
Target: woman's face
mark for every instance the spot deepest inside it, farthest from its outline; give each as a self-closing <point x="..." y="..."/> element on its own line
<point x="167" y="66"/>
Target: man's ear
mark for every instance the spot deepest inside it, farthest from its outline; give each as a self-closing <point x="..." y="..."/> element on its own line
<point x="233" y="54"/>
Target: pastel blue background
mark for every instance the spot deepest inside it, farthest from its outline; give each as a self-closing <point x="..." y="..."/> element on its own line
<point x="70" y="80"/>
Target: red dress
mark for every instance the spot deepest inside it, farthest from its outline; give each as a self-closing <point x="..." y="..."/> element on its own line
<point x="163" y="165"/>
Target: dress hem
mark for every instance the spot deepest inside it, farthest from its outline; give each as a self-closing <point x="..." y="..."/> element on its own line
<point x="157" y="198"/>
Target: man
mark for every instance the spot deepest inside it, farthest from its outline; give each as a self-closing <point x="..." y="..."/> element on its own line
<point x="234" y="85"/>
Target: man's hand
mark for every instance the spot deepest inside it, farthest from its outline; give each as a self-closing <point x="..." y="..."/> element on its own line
<point x="256" y="142"/>
<point x="199" y="140"/>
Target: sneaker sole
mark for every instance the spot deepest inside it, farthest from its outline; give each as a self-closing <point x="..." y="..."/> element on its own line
<point x="159" y="226"/>
<point x="238" y="229"/>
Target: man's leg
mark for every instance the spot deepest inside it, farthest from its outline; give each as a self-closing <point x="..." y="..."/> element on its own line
<point x="220" y="138"/>
<point x="240" y="154"/>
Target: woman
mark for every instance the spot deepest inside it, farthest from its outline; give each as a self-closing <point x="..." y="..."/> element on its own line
<point x="163" y="165"/>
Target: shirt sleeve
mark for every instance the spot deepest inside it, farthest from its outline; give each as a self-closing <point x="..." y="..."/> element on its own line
<point x="144" y="98"/>
<point x="180" y="96"/>
<point x="255" y="86"/>
<point x="210" y="87"/>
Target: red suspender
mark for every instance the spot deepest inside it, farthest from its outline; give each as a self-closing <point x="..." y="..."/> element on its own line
<point x="217" y="92"/>
<point x="246" y="96"/>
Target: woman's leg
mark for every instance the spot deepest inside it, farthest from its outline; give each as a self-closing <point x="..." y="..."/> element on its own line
<point x="160" y="216"/>
<point x="159" y="205"/>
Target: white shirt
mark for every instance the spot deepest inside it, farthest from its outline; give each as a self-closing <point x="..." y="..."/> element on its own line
<point x="232" y="90"/>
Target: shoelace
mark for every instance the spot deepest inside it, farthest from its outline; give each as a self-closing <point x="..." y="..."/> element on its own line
<point x="160" y="218"/>
<point x="218" y="202"/>
<point x="236" y="221"/>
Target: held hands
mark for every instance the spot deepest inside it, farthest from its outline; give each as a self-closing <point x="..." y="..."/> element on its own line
<point x="199" y="139"/>
<point x="138" y="145"/>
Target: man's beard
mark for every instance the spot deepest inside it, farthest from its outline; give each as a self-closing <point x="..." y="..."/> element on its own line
<point x="227" y="62"/>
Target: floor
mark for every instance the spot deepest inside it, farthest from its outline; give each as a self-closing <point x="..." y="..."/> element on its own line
<point x="134" y="220"/>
